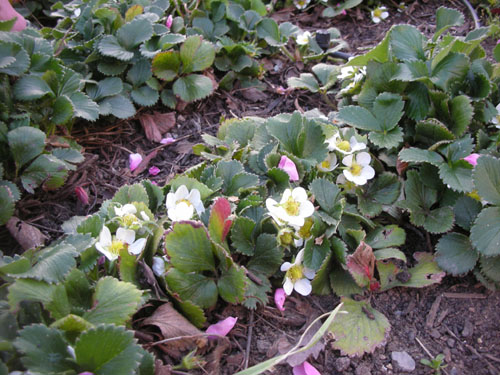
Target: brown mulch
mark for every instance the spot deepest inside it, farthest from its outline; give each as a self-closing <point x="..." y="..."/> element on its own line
<point x="458" y="318"/>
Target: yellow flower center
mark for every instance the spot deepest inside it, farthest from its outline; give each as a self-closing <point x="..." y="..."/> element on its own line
<point x="355" y="169"/>
<point x="115" y="247"/>
<point x="305" y="230"/>
<point x="344" y="146"/>
<point x="474" y="195"/>
<point x="129" y="219"/>
<point x="291" y="207"/>
<point x="377" y="13"/>
<point x="188" y="203"/>
<point x="326" y="164"/>
<point x="286" y="238"/>
<point x="295" y="272"/>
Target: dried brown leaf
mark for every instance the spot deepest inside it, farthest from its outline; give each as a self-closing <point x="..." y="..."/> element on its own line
<point x="161" y="369"/>
<point x="254" y="95"/>
<point x="156" y="124"/>
<point x="25" y="234"/>
<point x="173" y="325"/>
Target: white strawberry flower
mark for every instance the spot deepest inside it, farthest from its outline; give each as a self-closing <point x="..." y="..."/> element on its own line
<point x="124" y="239"/>
<point x="379" y="14"/>
<point x="336" y="143"/>
<point x="301" y="4"/>
<point x="329" y="164"/>
<point x="128" y="218"/>
<point x="303" y="38"/>
<point x="292" y="209"/>
<point x="182" y="204"/>
<point x="297" y="276"/>
<point x="358" y="168"/>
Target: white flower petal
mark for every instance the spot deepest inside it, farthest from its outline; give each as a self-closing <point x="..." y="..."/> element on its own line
<point x="288" y="286"/>
<point x="170" y="200"/>
<point x="306" y="209"/>
<point x="125" y="235"/>
<point x="299" y="194"/>
<point x="181" y="193"/>
<point x="158" y="266"/>
<point x="144" y="216"/>
<point x="363" y="158"/>
<point x="384" y="15"/>
<point x="285" y="266"/>
<point x="309" y="273"/>
<point x="303" y="286"/>
<point x="300" y="257"/>
<point x="105" y="236"/>
<point x="368" y="172"/>
<point x="347" y="160"/>
<point x="286" y="194"/>
<point x="137" y="247"/>
<point x="105" y="252"/>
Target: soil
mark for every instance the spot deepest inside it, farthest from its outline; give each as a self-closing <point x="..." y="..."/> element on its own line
<point x="458" y="317"/>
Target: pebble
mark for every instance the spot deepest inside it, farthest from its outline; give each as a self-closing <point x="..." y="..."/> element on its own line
<point x="363" y="370"/>
<point x="450" y="342"/>
<point x="342" y="364"/>
<point x="263" y="346"/>
<point x="468" y="329"/>
<point x="403" y="361"/>
<point x="435" y="333"/>
<point x="454" y="371"/>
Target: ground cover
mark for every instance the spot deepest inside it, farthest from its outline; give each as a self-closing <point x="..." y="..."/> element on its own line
<point x="456" y="317"/>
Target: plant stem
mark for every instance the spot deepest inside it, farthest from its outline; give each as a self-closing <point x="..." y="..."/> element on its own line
<point x="287" y="53"/>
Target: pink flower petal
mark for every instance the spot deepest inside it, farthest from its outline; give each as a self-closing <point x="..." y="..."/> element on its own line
<point x="472" y="159"/>
<point x="289" y="167"/>
<point x="154" y="183"/>
<point x="154" y="170"/>
<point x="279" y="299"/>
<point x="134" y="160"/>
<point x="305" y="369"/>
<point x="221" y="328"/>
<point x="167" y="141"/>
<point x="82" y="195"/>
<point x="170" y="19"/>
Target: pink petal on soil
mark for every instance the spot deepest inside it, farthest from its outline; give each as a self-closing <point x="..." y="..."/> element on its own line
<point x="472" y="159"/>
<point x="167" y="141"/>
<point x="221" y="328"/>
<point x="279" y="299"/>
<point x="82" y="195"/>
<point x="305" y="369"/>
<point x="289" y="167"/>
<point x="134" y="160"/>
<point x="154" y="170"/>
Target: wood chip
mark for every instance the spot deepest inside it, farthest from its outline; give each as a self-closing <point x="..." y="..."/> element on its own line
<point x="429" y="322"/>
<point x="464" y="295"/>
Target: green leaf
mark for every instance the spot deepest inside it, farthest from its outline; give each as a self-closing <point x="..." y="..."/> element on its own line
<point x="145" y="96"/>
<point x="194" y="287"/>
<point x="384" y="190"/>
<point x="166" y="65"/>
<point x="114" y="67"/>
<point x="84" y="107"/>
<point x="305" y="81"/>
<point x="486" y="177"/>
<point x="241" y="235"/>
<point x="268" y="30"/>
<point x="118" y="106"/>
<point x="431" y="131"/>
<point x="109" y="46"/>
<point x="457" y="176"/>
<point x="191" y="184"/>
<point x="452" y="68"/>
<point x="466" y="210"/>
<point x="46" y="169"/>
<point x="379" y="53"/>
<point x="233" y="177"/>
<point x="54" y="264"/>
<point x="25" y="144"/>
<point x="170" y="39"/>
<point x="45" y="350"/>
<point x="31" y="87"/>
<point x="140" y="72"/>
<point x="113" y="302"/>
<point x="193" y="87"/>
<point x="59" y="307"/>
<point x="407" y="43"/>
<point x="105" y="87"/>
<point x="389" y="253"/>
<point x="232" y="284"/>
<point x="455" y="254"/>
<point x="314" y="254"/>
<point x="418" y="155"/>
<point x="359" y="117"/>
<point x="7" y="204"/>
<point x="134" y="33"/>
<point x="342" y="283"/>
<point x="189" y="248"/>
<point x="387" y="139"/>
<point x="6" y="25"/>
<point x="360" y="330"/>
<point x="127" y="266"/>
<point x="387" y="236"/>
<point x="490" y="267"/>
<point x="267" y="256"/>
<point x="388" y="109"/>
<point x="446" y="18"/>
<point x="326" y="73"/>
<point x="108" y="350"/>
<point x="21" y="57"/>
<point x="29" y="290"/>
<point x="196" y="55"/>
<point x="439" y="220"/>
<point x="131" y="193"/>
<point x="485" y="233"/>
<point x="63" y="110"/>
<point x="461" y="114"/>
<point x="132" y="12"/>
<point x="328" y="196"/>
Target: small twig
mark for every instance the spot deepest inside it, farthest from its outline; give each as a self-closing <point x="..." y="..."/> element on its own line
<point x="429" y="353"/>
<point x="428" y="239"/>
<point x="249" y="340"/>
<point x="177" y="338"/>
<point x="464" y="295"/>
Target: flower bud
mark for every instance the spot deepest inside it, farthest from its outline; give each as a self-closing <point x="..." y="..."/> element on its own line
<point x="82" y="195"/>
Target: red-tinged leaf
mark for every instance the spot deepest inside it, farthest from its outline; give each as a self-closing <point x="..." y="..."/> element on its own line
<point x="361" y="265"/>
<point x="219" y="224"/>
